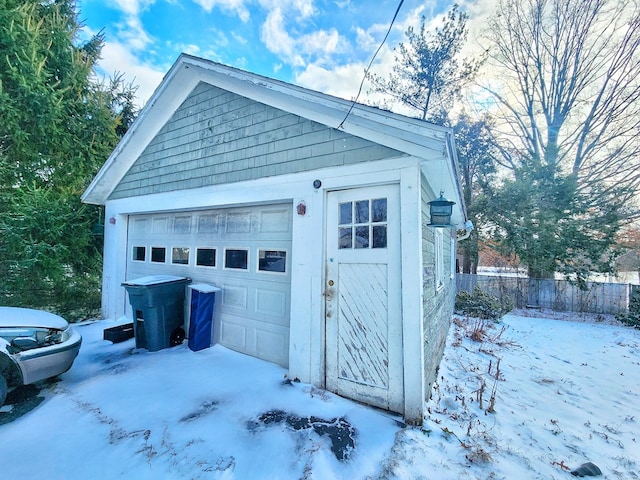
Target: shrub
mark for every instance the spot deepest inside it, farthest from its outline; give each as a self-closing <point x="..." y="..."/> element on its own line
<point x="481" y="304"/>
<point x="632" y="318"/>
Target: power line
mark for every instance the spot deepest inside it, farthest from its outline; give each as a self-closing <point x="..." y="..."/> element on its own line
<point x="371" y="63"/>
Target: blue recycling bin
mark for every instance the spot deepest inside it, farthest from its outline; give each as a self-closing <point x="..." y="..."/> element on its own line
<point x="157" y="302"/>
<point x="203" y="300"/>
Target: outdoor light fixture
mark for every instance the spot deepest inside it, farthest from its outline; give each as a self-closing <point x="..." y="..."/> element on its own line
<point x="317" y="184"/>
<point x="301" y="208"/>
<point x="441" y="210"/>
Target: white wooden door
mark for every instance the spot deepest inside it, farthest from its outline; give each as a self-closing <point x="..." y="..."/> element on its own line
<point x="363" y="297"/>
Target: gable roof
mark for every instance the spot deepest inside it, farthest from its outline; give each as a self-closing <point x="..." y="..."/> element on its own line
<point x="431" y="143"/>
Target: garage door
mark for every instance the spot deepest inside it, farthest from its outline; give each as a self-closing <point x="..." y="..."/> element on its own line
<point x="246" y="251"/>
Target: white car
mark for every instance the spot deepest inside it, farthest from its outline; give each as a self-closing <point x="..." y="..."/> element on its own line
<point x="34" y="345"/>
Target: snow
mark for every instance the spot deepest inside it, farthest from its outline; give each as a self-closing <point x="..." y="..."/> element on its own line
<point x="566" y="392"/>
<point x="153" y="280"/>
<point x="204" y="288"/>
<point x="29" y="318"/>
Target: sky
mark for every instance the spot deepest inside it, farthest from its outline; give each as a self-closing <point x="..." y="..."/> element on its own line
<point x="535" y="398"/>
<point x="324" y="45"/>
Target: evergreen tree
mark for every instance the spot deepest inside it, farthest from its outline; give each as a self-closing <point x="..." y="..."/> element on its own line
<point x="428" y="73"/>
<point x="550" y="226"/>
<point x="427" y="76"/>
<point x="476" y="158"/>
<point x="567" y="103"/>
<point x="58" y="126"/>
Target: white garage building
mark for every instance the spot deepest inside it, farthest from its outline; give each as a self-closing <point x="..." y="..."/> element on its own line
<point x="313" y="222"/>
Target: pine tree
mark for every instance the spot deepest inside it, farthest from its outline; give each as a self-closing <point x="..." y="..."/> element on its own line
<point x="58" y="126"/>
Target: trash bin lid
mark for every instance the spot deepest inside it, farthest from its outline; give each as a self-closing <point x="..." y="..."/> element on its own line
<point x="155" y="280"/>
<point x="204" y="288"/>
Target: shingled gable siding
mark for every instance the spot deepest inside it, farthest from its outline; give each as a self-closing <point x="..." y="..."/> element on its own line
<point x="218" y="137"/>
<point x="437" y="302"/>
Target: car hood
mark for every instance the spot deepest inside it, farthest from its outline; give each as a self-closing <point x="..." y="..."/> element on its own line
<point x="26" y="317"/>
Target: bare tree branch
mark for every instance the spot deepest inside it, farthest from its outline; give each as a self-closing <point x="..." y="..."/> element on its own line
<point x="571" y="92"/>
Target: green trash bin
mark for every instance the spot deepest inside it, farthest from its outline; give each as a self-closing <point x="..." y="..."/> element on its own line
<point x="157" y="302"/>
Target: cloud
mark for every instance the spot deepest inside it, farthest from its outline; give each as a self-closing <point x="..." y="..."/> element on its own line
<point x="132" y="33"/>
<point x="276" y="38"/>
<point x="302" y="8"/>
<point x="118" y="58"/>
<point x="236" y="7"/>
<point x="130" y="30"/>
<point x="342" y="81"/>
<point x="239" y="39"/>
<point x="298" y="51"/>
<point x="133" y="7"/>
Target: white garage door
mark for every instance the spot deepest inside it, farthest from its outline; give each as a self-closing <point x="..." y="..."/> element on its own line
<point x="246" y="251"/>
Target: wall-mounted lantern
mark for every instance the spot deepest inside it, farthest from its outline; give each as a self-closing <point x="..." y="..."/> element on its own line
<point x="301" y="208"/>
<point x="441" y="210"/>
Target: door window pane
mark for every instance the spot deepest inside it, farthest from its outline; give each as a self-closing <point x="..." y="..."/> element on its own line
<point x="236" y="258"/>
<point x="362" y="211"/>
<point x="206" y="257"/>
<point x="362" y="224"/>
<point x="362" y="237"/>
<point x="345" y="237"/>
<point x="379" y="236"/>
<point x="345" y="214"/>
<point x="379" y="210"/>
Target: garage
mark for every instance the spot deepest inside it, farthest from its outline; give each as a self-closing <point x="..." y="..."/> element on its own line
<point x="260" y="187"/>
<point x="243" y="250"/>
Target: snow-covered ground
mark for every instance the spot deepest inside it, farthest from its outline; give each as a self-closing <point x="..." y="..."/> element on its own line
<point x="528" y="398"/>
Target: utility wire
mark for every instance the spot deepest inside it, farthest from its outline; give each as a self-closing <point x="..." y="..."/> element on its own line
<point x="369" y="66"/>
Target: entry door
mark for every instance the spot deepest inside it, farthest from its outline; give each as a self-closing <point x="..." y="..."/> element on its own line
<point x="363" y="297"/>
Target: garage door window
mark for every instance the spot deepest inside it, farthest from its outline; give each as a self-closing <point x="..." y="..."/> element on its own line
<point x="206" y="257"/>
<point x="272" y="261"/>
<point x="237" y="259"/>
<point x="158" y="254"/>
<point x="180" y="255"/>
<point x="139" y="254"/>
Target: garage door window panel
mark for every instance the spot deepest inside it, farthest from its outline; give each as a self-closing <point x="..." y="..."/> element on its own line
<point x="158" y="254"/>
<point x="180" y="255"/>
<point x="236" y="258"/>
<point x="208" y="223"/>
<point x="272" y="261"/>
<point x="206" y="257"/>
<point x="139" y="254"/>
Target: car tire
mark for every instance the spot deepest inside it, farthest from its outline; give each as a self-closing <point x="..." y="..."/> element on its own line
<point x="3" y="389"/>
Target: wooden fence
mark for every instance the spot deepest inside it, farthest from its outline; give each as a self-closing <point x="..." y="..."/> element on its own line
<point x="557" y="295"/>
